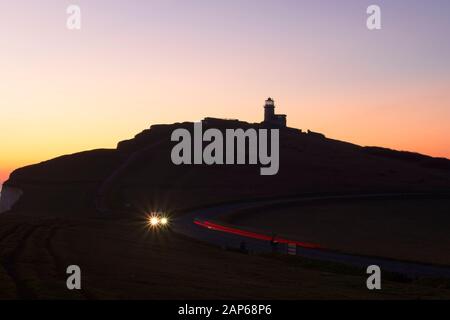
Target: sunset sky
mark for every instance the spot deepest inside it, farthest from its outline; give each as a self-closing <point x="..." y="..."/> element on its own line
<point x="137" y="63"/>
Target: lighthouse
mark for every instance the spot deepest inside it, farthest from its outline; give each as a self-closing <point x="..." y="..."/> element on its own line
<point x="269" y="110"/>
<point x="270" y="118"/>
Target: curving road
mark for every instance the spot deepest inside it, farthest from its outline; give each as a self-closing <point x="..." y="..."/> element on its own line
<point x="202" y="225"/>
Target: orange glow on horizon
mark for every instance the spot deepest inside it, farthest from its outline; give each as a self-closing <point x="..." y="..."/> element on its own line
<point x="373" y="129"/>
<point x="63" y="92"/>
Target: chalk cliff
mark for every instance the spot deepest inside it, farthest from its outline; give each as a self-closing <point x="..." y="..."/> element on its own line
<point x="9" y="196"/>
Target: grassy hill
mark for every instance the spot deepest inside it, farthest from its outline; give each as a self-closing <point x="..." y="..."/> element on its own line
<point x="139" y="173"/>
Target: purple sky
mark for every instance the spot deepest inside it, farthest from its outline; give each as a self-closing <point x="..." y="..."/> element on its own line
<point x="135" y="63"/>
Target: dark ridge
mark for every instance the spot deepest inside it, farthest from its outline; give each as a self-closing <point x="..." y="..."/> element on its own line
<point x="423" y="160"/>
<point x="139" y="173"/>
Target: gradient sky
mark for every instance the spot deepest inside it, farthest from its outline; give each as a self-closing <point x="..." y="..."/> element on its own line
<point x="136" y="63"/>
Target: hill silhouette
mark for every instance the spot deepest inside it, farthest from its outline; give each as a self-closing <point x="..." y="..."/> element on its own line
<point x="139" y="173"/>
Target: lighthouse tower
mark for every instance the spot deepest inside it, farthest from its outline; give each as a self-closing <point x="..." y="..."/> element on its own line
<point x="269" y="110"/>
<point x="270" y="117"/>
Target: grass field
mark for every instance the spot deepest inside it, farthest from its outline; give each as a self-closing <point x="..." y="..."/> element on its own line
<point x="416" y="230"/>
<point x="121" y="259"/>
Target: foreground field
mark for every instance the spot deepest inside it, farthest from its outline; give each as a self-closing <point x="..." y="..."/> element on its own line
<point x="415" y="230"/>
<point x="121" y="259"/>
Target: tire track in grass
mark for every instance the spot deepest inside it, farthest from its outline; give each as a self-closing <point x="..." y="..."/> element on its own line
<point x="10" y="262"/>
<point x="58" y="261"/>
<point x="3" y="239"/>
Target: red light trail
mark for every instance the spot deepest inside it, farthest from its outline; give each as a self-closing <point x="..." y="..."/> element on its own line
<point x="253" y="235"/>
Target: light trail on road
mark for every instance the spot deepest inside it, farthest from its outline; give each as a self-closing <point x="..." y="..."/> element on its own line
<point x="254" y="235"/>
<point x="200" y="226"/>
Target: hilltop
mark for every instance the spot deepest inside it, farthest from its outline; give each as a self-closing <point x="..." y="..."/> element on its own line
<point x="139" y="173"/>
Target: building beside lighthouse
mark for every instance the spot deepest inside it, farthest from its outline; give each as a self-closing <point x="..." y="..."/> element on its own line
<point x="270" y="118"/>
